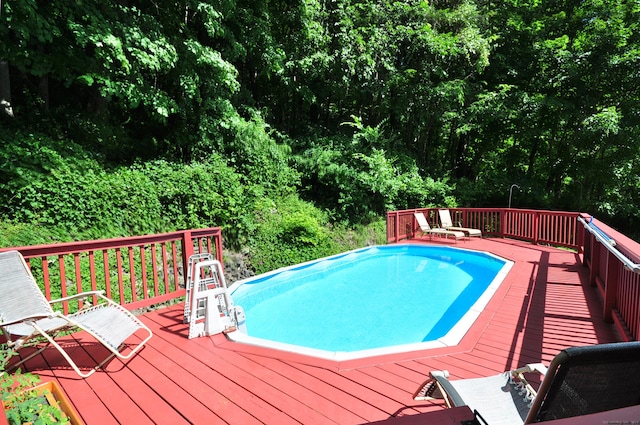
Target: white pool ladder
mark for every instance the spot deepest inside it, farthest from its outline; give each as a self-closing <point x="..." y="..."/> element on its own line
<point x="208" y="306"/>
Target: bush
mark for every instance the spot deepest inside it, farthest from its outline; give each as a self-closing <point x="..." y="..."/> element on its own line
<point x="288" y="231"/>
<point x="200" y="195"/>
<point x="54" y="191"/>
<point x="22" y="234"/>
<point x="55" y="187"/>
<point x="291" y="231"/>
<point x="254" y="154"/>
<point x="358" y="187"/>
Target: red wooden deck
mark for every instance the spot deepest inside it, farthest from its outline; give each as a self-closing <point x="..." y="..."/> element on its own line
<point x="544" y="305"/>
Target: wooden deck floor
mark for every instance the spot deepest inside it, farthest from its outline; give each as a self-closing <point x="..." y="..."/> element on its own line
<point x="544" y="305"/>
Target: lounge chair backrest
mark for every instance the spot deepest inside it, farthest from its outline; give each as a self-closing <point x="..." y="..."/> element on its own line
<point x="591" y="379"/>
<point x="422" y="221"/>
<point x="20" y="296"/>
<point x="445" y="218"/>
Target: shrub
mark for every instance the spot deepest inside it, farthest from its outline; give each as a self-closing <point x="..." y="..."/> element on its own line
<point x="359" y="187"/>
<point x="25" y="234"/>
<point x="200" y="195"/>
<point x="57" y="188"/>
<point x="254" y="154"/>
<point x="291" y="231"/>
<point x="288" y="231"/>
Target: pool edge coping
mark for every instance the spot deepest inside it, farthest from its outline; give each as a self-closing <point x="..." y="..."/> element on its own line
<point x="452" y="342"/>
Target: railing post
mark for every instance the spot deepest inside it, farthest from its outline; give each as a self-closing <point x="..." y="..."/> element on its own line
<point x="580" y="240"/>
<point x="588" y="249"/>
<point x="187" y="251"/>
<point x="611" y="286"/>
<point x="536" y="227"/>
<point x="218" y="243"/>
<point x="396" y="226"/>
<point x="395" y="218"/>
<point x="503" y="222"/>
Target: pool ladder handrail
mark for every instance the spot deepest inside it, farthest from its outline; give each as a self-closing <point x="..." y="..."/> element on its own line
<point x="193" y="260"/>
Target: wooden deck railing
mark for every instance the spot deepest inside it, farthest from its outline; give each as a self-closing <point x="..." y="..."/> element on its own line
<point x="614" y="267"/>
<point x="551" y="227"/>
<point x="613" y="260"/>
<point x="136" y="272"/>
<point x="143" y="271"/>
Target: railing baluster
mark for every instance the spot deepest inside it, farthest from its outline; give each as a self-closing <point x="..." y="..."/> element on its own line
<point x="629" y="308"/>
<point x="107" y="273"/>
<point x="154" y="267"/>
<point x="165" y="269"/>
<point x="46" y="278"/>
<point x="143" y="273"/>
<point x="76" y="262"/>
<point x="120" y="275"/>
<point x="635" y="316"/>
<point x="132" y="275"/>
<point x="63" y="283"/>
<point x="174" y="257"/>
<point x="92" y="272"/>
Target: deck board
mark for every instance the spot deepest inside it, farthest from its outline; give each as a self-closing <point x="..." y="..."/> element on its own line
<point x="544" y="305"/>
<point x="214" y="386"/>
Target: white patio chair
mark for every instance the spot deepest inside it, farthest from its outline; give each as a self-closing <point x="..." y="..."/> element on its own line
<point x="428" y="230"/>
<point x="447" y="223"/>
<point x="28" y="319"/>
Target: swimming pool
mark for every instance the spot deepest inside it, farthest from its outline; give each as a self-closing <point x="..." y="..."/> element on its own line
<point x="370" y="301"/>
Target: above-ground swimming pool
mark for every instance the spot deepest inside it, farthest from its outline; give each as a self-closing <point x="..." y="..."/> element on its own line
<point x="371" y="301"/>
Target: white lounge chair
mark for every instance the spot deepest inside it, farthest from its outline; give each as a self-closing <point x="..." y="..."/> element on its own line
<point x="447" y="223"/>
<point x="28" y="319"/>
<point x="580" y="381"/>
<point x="426" y="229"/>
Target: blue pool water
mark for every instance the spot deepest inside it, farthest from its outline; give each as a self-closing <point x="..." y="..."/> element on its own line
<point x="370" y="298"/>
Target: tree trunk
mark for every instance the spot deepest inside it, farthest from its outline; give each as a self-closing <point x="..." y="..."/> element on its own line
<point x="5" y="89"/>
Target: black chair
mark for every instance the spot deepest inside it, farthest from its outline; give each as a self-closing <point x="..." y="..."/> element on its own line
<point x="579" y="381"/>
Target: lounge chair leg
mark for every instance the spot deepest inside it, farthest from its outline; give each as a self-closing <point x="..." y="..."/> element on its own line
<point x="29" y="357"/>
<point x="67" y="357"/>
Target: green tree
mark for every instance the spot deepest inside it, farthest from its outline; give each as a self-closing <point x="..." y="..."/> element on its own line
<point x="564" y="119"/>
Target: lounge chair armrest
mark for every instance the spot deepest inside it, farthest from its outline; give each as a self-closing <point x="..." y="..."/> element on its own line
<point x="532" y="367"/>
<point x="449" y="392"/>
<point x="539" y="367"/>
<point x="26" y="319"/>
<point x="518" y="374"/>
<point x="81" y="295"/>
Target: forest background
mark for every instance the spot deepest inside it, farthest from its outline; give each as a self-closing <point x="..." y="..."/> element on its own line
<point x="295" y="125"/>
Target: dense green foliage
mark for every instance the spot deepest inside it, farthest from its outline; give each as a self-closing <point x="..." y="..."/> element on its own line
<point x="289" y="123"/>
